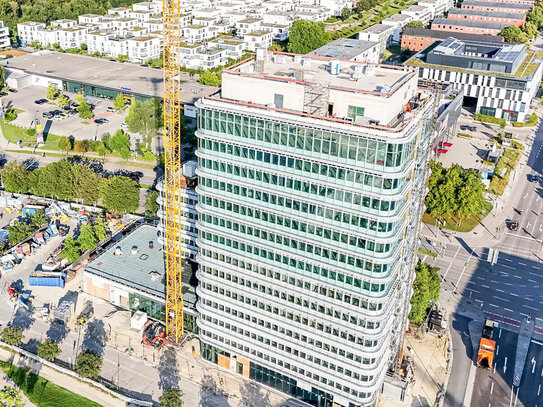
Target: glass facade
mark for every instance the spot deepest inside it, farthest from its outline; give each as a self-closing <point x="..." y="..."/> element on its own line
<point x="98" y="91"/>
<point x="306" y="252"/>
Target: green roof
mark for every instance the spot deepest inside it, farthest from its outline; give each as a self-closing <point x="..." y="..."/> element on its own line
<point x="526" y="69"/>
<point x="143" y="271"/>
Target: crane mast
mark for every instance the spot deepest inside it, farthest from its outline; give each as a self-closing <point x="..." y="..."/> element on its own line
<point x="173" y="169"/>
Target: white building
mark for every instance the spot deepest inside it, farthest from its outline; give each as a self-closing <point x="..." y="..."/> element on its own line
<point x="258" y="39"/>
<point x="4" y="36"/>
<point x="247" y="25"/>
<point x="141" y="49"/>
<point x="424" y="14"/>
<point x="381" y="33"/>
<point x="397" y="21"/>
<point x="30" y="31"/>
<point x="350" y="50"/>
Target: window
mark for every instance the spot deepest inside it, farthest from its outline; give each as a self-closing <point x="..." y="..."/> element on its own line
<point x="354" y="111"/>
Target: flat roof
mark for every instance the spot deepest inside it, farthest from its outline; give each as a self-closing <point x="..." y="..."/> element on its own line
<point x="486" y="13"/>
<point x="397" y="18"/>
<point x="383" y="80"/>
<point x="469" y="23"/>
<point x="377" y="28"/>
<point x="343" y="48"/>
<point x="494" y="4"/>
<point x="143" y="271"/>
<point x="441" y="35"/>
<point x="102" y="72"/>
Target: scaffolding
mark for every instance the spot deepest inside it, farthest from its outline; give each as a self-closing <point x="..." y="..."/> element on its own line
<point x="172" y="169"/>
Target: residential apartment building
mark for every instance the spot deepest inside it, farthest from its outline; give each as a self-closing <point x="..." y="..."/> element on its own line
<point x="466" y="26"/>
<point x="350" y="50"/>
<point x="508" y="18"/>
<point x="29" y="32"/>
<point x="397" y="22"/>
<point x="423" y="14"/>
<point x="498" y="79"/>
<point x="380" y="33"/>
<point x="530" y="2"/>
<point x="418" y="39"/>
<point x="310" y="194"/>
<point x="141" y="49"/>
<point x="4" y="36"/>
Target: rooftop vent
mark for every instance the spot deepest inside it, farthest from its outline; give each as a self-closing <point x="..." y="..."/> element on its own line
<point x="144" y="257"/>
<point x="154" y="275"/>
<point x="118" y="251"/>
<point x="151" y="245"/>
<point x="134" y="250"/>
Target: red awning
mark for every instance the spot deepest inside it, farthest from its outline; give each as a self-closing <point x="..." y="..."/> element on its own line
<point x="448" y="144"/>
<point x="442" y="151"/>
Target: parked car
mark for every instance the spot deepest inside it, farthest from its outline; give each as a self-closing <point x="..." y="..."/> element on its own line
<point x="124" y="125"/>
<point x="513" y="225"/>
<point x="111" y="109"/>
<point x="40" y="101"/>
<point x="48" y="115"/>
<point x="101" y="121"/>
<point x="70" y="112"/>
<point x="12" y="90"/>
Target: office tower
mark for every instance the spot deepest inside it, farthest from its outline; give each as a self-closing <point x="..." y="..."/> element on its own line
<point x="311" y="184"/>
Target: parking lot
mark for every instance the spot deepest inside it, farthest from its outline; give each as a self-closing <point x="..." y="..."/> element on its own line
<point x="73" y="126"/>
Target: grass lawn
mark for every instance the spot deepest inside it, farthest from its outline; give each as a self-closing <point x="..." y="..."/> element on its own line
<point x="37" y="153"/>
<point x="13" y="133"/>
<point x="135" y="164"/>
<point x="42" y="392"/>
<point x="466" y="225"/>
<point x="508" y="162"/>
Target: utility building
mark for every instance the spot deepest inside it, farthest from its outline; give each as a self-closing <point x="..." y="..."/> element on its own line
<point x="312" y="174"/>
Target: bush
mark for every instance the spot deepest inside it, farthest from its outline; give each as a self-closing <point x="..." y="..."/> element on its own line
<point x="427" y="252"/>
<point x="31" y="132"/>
<point x="490" y="119"/>
<point x="88" y="364"/>
<point x="12" y="335"/>
<point x="48" y="350"/>
<point x="464" y="135"/>
<point x="10" y="115"/>
<point x="531" y="122"/>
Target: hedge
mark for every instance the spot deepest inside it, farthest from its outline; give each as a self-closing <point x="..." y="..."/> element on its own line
<point x="531" y="122"/>
<point x="489" y="119"/>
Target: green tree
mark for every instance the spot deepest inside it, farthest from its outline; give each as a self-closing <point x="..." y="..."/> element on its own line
<point x="18" y="232"/>
<point x="38" y="219"/>
<point x="2" y="77"/>
<point x="102" y="150"/>
<point x="87" y="184"/>
<point x="151" y="206"/>
<point x="63" y="100"/>
<point x="15" y="177"/>
<point x="81" y="146"/>
<point x="171" y="398"/>
<point x="306" y="36"/>
<point x="530" y="29"/>
<point x="52" y="91"/>
<point x="12" y="335"/>
<point x="84" y="110"/>
<point x="119" y="141"/>
<point x="121" y="195"/>
<point x="71" y="250"/>
<point x="125" y="153"/>
<point x="87" y="239"/>
<point x="64" y="144"/>
<point x="209" y="78"/>
<point x="100" y="229"/>
<point x="122" y="58"/>
<point x="145" y="117"/>
<point x="88" y="364"/>
<point x="120" y="102"/>
<point x="105" y="139"/>
<point x="10" y="397"/>
<point x="426" y="288"/>
<point x="363" y="5"/>
<point x="513" y="34"/>
<point x="84" y="47"/>
<point x="48" y="350"/>
<point x="346" y="13"/>
<point x="414" y="24"/>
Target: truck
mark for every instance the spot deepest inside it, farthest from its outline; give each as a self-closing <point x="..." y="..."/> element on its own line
<point x="487" y="346"/>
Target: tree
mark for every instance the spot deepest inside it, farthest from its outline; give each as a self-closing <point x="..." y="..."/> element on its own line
<point x="88" y="364"/>
<point x="12" y="335"/>
<point x="38" y="219"/>
<point x="414" y="24"/>
<point x="151" y="206"/>
<point x="171" y="398"/>
<point x="122" y="58"/>
<point x="119" y="141"/>
<point x="2" y="77"/>
<point x="81" y="146"/>
<point x="71" y="250"/>
<point x="87" y="184"/>
<point x="346" y="13"/>
<point x="209" y="78"/>
<point x="15" y="177"/>
<point x="52" y="91"/>
<point x="100" y="229"/>
<point x="10" y="397"/>
<point x="362" y="5"/>
<point x="48" y="350"/>
<point x="87" y="239"/>
<point x="102" y="150"/>
<point x="125" y="153"/>
<point x="120" y="102"/>
<point x="145" y="117"/>
<point x="84" y="110"/>
<point x="530" y="29"/>
<point x="305" y="36"/>
<point x="513" y="34"/>
<point x="63" y="100"/>
<point x="426" y="288"/>
<point x="84" y="47"/>
<point x="64" y="144"/>
<point x="121" y="195"/>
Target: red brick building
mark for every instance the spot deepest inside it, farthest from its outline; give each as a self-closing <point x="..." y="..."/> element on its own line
<point x="466" y="26"/>
<point x="501" y="6"/>
<point x="417" y="39"/>
<point x="517" y="19"/>
<point x="531" y="2"/>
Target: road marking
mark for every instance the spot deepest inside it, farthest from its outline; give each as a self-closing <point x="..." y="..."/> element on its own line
<point x="479" y="278"/>
<point x="497" y="350"/>
<point x="527" y="306"/>
<point x="445" y="275"/>
<point x="533" y="274"/>
<point x="522" y="264"/>
<point x="528" y="299"/>
<point x="492" y="389"/>
<point x="505" y="265"/>
<point x="507" y="309"/>
<point x="535" y="267"/>
<point x="499" y="290"/>
<point x="505" y="365"/>
<point x="540" y="344"/>
<point x="485" y="286"/>
<point x="492" y="305"/>
<point x="514" y="295"/>
<point x="532" y="281"/>
<point x="523" y="314"/>
<point x="514" y="275"/>
<point x="475" y="291"/>
<point x="498" y="298"/>
<point x="538" y="389"/>
<point x="508" y="260"/>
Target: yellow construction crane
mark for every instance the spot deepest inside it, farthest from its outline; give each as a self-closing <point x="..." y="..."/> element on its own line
<point x="173" y="176"/>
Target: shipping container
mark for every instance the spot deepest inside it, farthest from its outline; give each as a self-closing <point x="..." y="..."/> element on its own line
<point x="47" y="281"/>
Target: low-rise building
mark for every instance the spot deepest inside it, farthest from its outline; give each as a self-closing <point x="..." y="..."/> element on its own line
<point x="349" y="50"/>
<point x="280" y="32"/>
<point x="277" y="17"/>
<point x="397" y="22"/>
<point x="66" y="23"/>
<point x="466" y="26"/>
<point x="381" y="33"/>
<point x="258" y="39"/>
<point x="89" y="18"/>
<point x="500" y="6"/>
<point x="423" y="14"/>
<point x="508" y="18"/>
<point x="141" y="49"/>
<point x="198" y="33"/>
<point x="233" y="46"/>
<point x="29" y="32"/>
<point x="130" y="273"/>
<point x="4" y="36"/>
<point x="498" y="79"/>
<point x="418" y="39"/>
<point x="248" y="25"/>
<point x="530" y="2"/>
<point x="439" y="6"/>
<point x="120" y="11"/>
